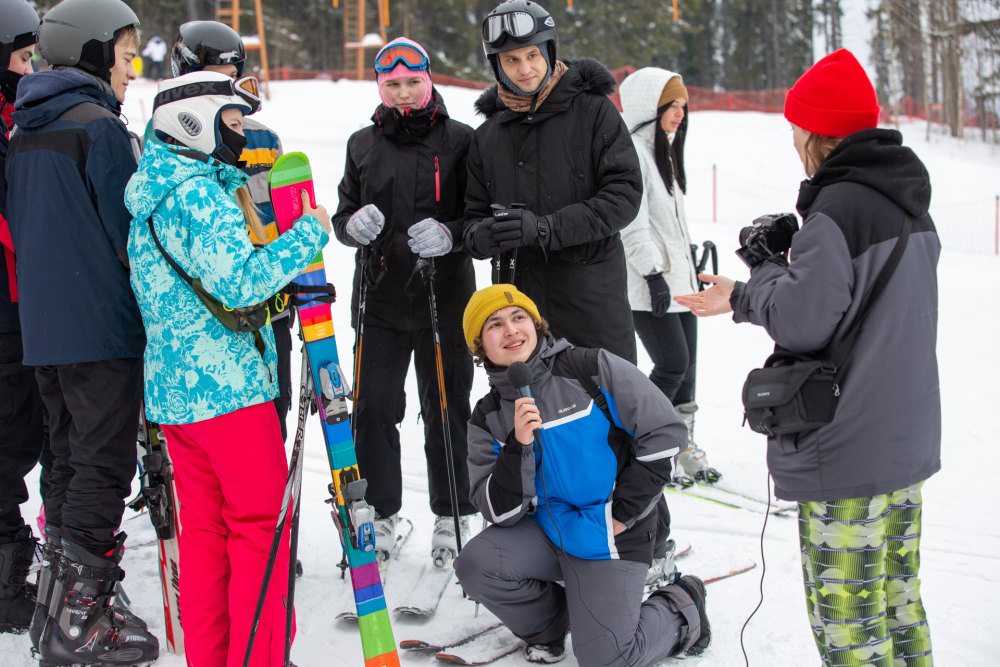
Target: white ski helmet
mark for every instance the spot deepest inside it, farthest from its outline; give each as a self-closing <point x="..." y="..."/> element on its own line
<point x="187" y="108"/>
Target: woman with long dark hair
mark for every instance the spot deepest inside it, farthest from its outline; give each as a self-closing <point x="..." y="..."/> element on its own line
<point x="657" y="247"/>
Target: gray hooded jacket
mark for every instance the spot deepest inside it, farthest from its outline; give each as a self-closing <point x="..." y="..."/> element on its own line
<point x="886" y="434"/>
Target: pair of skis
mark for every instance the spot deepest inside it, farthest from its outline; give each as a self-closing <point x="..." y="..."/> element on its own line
<point x="713" y="493"/>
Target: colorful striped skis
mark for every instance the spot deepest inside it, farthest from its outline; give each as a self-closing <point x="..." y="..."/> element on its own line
<point x="290" y="174"/>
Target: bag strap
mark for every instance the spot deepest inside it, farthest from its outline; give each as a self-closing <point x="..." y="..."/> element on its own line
<point x="837" y="358"/>
<point x="170" y="260"/>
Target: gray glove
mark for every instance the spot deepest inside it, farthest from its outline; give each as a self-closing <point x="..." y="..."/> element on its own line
<point x="429" y="238"/>
<point x="366" y="224"/>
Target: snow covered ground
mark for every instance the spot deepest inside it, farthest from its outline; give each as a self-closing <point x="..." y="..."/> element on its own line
<point x="758" y="172"/>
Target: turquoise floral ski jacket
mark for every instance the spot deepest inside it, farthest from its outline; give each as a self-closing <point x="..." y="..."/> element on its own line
<point x="196" y="368"/>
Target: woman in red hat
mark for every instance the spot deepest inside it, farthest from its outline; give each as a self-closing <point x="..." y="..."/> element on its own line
<point x="857" y="479"/>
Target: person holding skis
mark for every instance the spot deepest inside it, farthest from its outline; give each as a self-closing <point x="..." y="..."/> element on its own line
<point x="857" y="479"/>
<point x="553" y="179"/>
<point x="211" y="46"/>
<point x="22" y="432"/>
<point x="67" y="167"/>
<point x="401" y="201"/>
<point x="658" y="248"/>
<point x="568" y="455"/>
<point x="210" y="387"/>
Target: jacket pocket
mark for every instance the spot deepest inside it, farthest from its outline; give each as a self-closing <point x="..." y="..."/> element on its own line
<point x="579" y="175"/>
<point x="586" y="253"/>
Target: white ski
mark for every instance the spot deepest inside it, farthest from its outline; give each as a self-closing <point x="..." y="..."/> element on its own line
<point x="423" y="600"/>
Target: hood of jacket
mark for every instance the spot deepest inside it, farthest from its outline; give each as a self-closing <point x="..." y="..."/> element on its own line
<point x="640" y="92"/>
<point x="540" y="363"/>
<point x="411" y="127"/>
<point x="164" y="167"/>
<point x="43" y="96"/>
<point x="585" y="75"/>
<point x="875" y="158"/>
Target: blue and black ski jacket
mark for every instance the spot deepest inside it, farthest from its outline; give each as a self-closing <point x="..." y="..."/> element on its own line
<point x="587" y="473"/>
<point x="67" y="167"/>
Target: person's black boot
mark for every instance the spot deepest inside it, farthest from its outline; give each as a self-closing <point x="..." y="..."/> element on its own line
<point x="695" y="587"/>
<point x="17" y="602"/>
<point x="84" y="626"/>
<point x="51" y="560"/>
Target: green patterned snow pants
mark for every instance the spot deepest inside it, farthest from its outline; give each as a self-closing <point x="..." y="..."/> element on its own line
<point x="860" y="559"/>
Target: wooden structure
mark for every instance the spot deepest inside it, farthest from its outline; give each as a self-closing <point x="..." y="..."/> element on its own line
<point x="356" y="40"/>
<point x="228" y="11"/>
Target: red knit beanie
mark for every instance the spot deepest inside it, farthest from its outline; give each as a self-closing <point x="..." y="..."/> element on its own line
<point x="834" y="98"/>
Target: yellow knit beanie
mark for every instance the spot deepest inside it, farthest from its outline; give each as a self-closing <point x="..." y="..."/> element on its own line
<point x="489" y="300"/>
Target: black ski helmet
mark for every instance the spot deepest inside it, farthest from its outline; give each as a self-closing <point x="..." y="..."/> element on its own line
<point x="82" y="33"/>
<point x="203" y="43"/>
<point x="18" y="29"/>
<point x="544" y="31"/>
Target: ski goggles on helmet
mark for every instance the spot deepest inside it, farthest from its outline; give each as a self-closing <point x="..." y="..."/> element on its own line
<point x="248" y="89"/>
<point x="197" y="57"/>
<point x="404" y="54"/>
<point x="519" y="25"/>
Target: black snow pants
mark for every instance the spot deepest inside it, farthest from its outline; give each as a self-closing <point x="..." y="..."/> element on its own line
<point x="22" y="432"/>
<point x="672" y="344"/>
<point x="381" y="404"/>
<point x="513" y="570"/>
<point x="282" y="329"/>
<point x="93" y="423"/>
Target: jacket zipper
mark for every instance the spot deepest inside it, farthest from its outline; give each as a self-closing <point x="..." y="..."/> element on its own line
<point x="437" y="180"/>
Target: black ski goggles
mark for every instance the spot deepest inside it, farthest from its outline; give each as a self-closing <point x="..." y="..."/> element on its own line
<point x="518" y="25"/>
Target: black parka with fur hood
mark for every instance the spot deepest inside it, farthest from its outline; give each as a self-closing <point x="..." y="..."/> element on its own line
<point x="573" y="159"/>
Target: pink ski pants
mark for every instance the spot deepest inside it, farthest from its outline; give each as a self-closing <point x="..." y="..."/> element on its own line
<point x="230" y="473"/>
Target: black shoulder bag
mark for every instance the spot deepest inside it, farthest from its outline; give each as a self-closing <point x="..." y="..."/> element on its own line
<point x="793" y="392"/>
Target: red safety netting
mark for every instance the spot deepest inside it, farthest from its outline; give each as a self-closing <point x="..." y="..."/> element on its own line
<point x="706" y="99"/>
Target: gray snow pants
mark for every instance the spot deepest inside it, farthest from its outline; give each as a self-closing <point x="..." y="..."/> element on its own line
<point x="513" y="572"/>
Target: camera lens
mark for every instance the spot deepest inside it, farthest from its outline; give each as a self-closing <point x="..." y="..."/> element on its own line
<point x="745" y="235"/>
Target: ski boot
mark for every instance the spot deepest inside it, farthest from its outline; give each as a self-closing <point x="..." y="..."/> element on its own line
<point x="17" y="597"/>
<point x="51" y="560"/>
<point x="694" y="461"/>
<point x="444" y="550"/>
<point x="546" y="654"/>
<point x="385" y="537"/>
<point x="687" y="592"/>
<point x="83" y="624"/>
<point x="662" y="570"/>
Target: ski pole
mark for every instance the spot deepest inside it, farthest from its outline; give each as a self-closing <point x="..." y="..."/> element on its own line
<point x="445" y="428"/>
<point x="362" y="306"/>
<point x="293" y="485"/>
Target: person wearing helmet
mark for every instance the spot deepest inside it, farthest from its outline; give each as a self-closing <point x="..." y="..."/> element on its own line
<point x="401" y="200"/>
<point x="21" y="427"/>
<point x="208" y="386"/>
<point x="67" y="167"/>
<point x="553" y="178"/>
<point x="211" y="46"/>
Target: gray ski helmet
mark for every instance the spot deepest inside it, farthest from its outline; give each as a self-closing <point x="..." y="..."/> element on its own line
<point x="82" y="33"/>
<point x="201" y="43"/>
<point x="18" y="29"/>
<point x="544" y="30"/>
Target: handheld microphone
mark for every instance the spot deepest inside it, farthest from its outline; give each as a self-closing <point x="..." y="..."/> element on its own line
<point x="520" y="377"/>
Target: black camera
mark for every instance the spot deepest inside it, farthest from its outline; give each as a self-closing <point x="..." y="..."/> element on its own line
<point x="769" y="235"/>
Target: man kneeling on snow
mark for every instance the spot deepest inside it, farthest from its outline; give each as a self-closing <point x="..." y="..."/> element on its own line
<point x="570" y="485"/>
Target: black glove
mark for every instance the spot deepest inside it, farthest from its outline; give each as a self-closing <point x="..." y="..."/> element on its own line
<point x="516" y="228"/>
<point x="659" y="294"/>
<point x="479" y="240"/>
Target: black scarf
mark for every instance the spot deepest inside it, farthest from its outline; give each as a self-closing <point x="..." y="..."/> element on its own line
<point x="410" y="127"/>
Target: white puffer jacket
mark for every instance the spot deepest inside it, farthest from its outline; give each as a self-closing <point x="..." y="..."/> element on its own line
<point x="657" y="240"/>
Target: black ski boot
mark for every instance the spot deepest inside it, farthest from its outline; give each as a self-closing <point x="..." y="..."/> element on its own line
<point x="51" y="560"/>
<point x="84" y="626"/>
<point x="17" y="601"/>
<point x="547" y="654"/>
<point x="695" y="587"/>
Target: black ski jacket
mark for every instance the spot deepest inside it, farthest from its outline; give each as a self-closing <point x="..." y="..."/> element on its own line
<point x="572" y="158"/>
<point x="411" y="167"/>
<point x="886" y="433"/>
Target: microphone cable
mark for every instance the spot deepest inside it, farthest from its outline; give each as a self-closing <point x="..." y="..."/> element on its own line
<point x="763" y="571"/>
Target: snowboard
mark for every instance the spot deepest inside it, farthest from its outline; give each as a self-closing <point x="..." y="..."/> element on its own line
<point x="290" y="174"/>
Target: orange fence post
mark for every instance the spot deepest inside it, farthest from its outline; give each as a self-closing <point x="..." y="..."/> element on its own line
<point x="715" y="217"/>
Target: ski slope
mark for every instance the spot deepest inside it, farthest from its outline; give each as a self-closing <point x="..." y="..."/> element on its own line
<point x="757" y="172"/>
